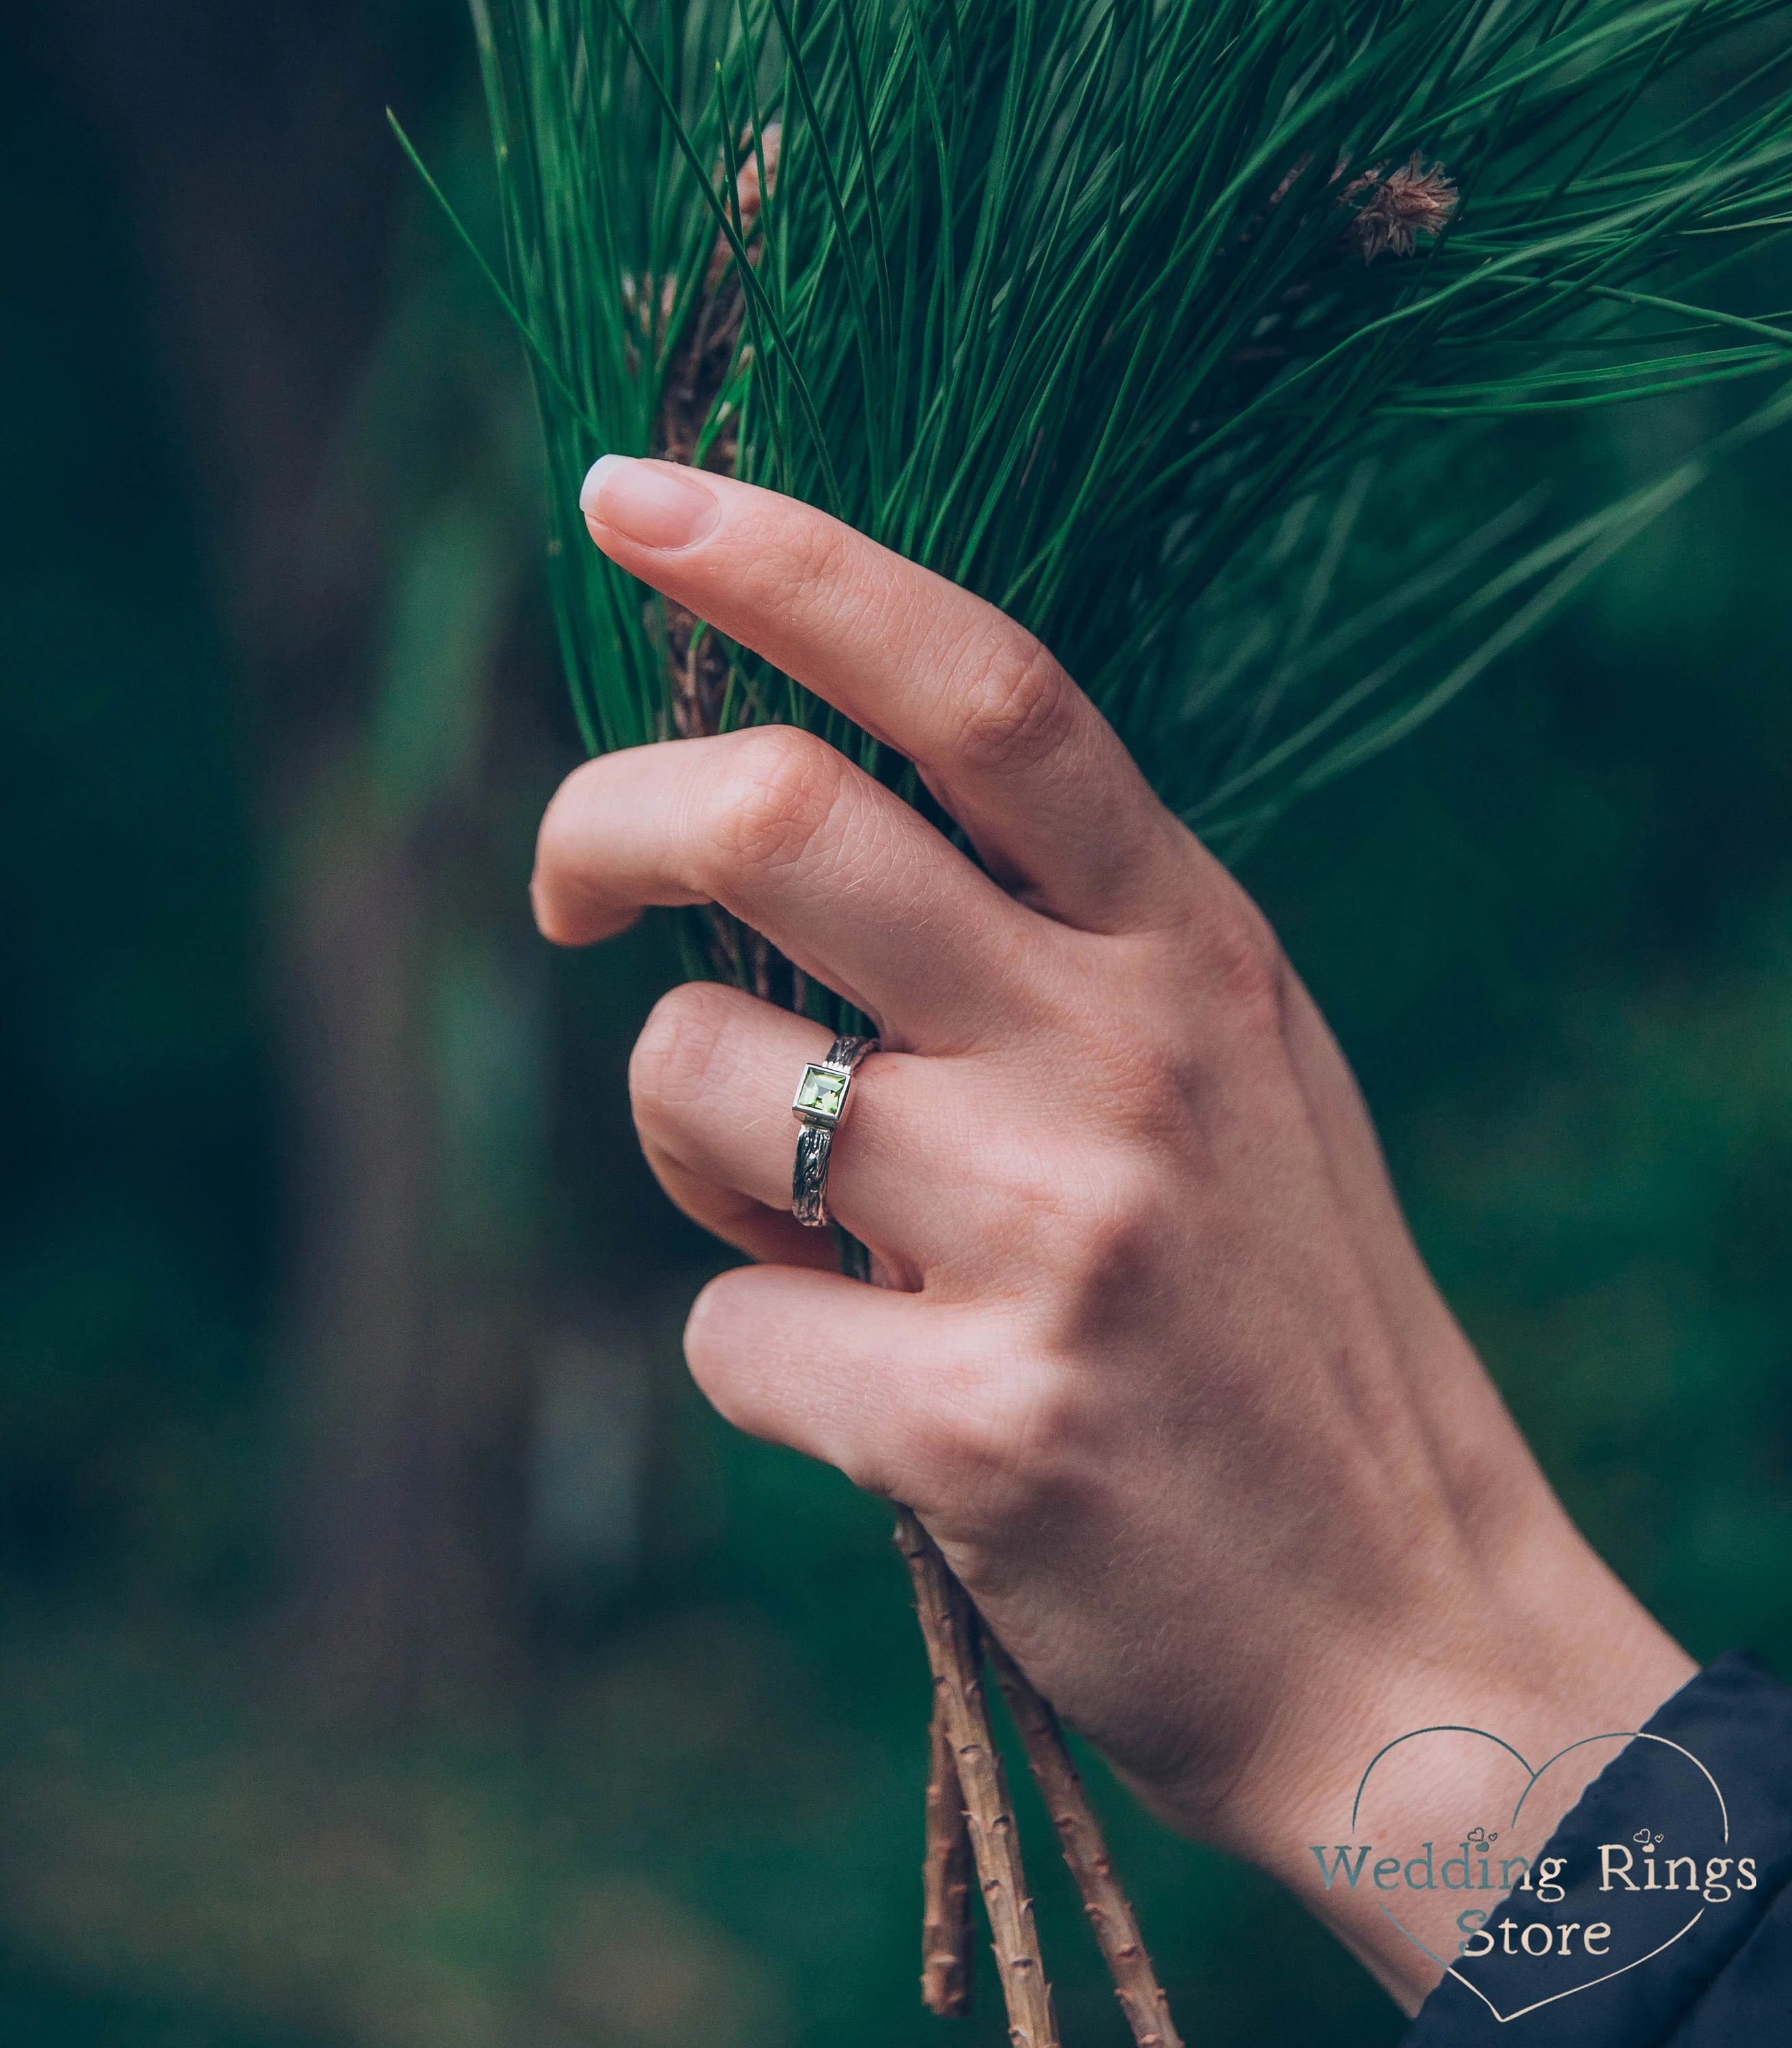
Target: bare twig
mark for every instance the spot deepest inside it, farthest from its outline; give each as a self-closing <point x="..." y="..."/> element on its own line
<point x="948" y="1623"/>
<point x="1110" y="1913"/>
<point x="945" y="1881"/>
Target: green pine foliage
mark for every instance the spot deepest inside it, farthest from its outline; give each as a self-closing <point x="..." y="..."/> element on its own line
<point x="1178" y="328"/>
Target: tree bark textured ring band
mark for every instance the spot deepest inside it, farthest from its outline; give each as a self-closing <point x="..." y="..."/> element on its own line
<point x="819" y="1103"/>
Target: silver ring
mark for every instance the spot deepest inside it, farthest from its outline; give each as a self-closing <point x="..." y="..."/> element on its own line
<point x="819" y="1103"/>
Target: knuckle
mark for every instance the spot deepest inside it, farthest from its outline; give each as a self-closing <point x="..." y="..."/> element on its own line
<point x="1003" y="1444"/>
<point x="676" y="1048"/>
<point x="558" y="846"/>
<point x="1242" y="964"/>
<point x="1101" y="1240"/>
<point x="1118" y="1233"/>
<point x="777" y="793"/>
<point x="1121" y="1238"/>
<point x="1018" y="707"/>
<point x="712" y="1349"/>
<point x="1151" y="1088"/>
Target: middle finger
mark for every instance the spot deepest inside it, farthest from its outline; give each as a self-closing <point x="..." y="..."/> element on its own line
<point x="846" y="879"/>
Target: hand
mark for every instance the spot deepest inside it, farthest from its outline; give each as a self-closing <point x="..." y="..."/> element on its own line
<point x="1155" y="1360"/>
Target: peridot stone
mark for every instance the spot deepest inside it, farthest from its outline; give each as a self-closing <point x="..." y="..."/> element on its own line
<point x="821" y="1092"/>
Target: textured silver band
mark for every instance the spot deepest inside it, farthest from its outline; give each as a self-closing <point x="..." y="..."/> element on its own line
<point x="821" y="1098"/>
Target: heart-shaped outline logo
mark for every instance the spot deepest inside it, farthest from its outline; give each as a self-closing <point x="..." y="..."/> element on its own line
<point x="1617" y="1735"/>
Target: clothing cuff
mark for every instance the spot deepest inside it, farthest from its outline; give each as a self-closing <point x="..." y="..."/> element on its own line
<point x="1708" y="1778"/>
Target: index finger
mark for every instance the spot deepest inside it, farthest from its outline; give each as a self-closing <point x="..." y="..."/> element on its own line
<point x="1017" y="753"/>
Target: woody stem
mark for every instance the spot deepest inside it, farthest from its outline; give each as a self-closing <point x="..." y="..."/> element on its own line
<point x="1110" y="1911"/>
<point x="949" y="1626"/>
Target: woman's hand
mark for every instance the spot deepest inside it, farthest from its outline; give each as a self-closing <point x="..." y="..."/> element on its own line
<point x="1156" y="1362"/>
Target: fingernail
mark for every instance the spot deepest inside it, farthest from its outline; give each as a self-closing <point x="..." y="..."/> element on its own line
<point x="652" y="503"/>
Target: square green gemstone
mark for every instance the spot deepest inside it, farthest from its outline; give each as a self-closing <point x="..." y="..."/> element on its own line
<point x="821" y="1092"/>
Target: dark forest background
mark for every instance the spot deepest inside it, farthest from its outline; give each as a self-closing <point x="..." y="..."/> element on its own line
<point x="393" y="1653"/>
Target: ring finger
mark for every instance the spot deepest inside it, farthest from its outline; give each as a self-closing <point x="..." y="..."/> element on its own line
<point x="710" y="1080"/>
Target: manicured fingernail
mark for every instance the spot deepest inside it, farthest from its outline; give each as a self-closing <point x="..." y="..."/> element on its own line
<point x="651" y="503"/>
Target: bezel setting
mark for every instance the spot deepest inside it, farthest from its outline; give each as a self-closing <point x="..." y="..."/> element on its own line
<point x="821" y="1097"/>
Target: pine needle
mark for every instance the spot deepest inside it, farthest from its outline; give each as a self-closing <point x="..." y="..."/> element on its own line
<point x="1172" y="326"/>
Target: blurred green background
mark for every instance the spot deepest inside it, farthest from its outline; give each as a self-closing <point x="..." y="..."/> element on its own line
<point x="393" y="1653"/>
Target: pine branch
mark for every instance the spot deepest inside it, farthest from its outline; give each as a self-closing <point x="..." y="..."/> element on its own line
<point x="1085" y="1851"/>
<point x="1079" y="305"/>
<point x="948" y="1623"/>
<point x="946" y="1940"/>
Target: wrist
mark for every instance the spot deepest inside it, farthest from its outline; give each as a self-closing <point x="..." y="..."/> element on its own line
<point x="1538" y="1653"/>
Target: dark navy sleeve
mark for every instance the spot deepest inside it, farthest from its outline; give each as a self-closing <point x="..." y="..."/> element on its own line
<point x="1709" y="1777"/>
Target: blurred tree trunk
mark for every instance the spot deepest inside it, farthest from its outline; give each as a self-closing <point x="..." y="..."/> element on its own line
<point x="252" y="145"/>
